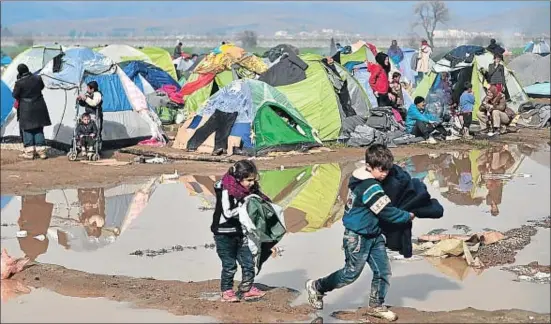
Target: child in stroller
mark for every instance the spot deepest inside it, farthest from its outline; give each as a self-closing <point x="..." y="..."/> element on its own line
<point x="85" y="141"/>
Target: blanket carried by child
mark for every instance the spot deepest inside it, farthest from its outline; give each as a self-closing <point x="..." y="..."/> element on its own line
<point x="411" y="195"/>
<point x="263" y="225"/>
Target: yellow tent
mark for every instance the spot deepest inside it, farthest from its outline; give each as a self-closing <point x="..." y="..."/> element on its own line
<point x="160" y="58"/>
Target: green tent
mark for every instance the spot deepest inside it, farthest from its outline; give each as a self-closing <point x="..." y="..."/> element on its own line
<point x="160" y="58"/>
<point x="266" y="120"/>
<point x="319" y="97"/>
<point x="469" y="72"/>
<point x="195" y="100"/>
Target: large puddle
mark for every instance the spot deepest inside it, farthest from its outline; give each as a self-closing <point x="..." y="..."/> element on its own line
<point x="99" y="230"/>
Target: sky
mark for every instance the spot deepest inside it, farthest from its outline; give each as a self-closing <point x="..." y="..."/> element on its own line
<point x="376" y="12"/>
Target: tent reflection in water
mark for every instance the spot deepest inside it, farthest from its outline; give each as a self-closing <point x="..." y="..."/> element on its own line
<point x="313" y="197"/>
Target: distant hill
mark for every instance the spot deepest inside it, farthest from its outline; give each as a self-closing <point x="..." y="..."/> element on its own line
<point x="372" y="18"/>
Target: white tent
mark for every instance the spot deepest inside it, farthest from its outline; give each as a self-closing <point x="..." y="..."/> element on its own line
<point x="127" y="117"/>
<point x="35" y="58"/>
<point x="123" y="53"/>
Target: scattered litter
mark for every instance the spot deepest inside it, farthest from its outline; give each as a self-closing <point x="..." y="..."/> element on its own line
<point x="155" y="160"/>
<point x="532" y="272"/>
<point x="176" y="248"/>
<point x="40" y="237"/>
<point x="21" y="234"/>
<point x="437" y="231"/>
<point x="282" y="168"/>
<point x="463" y="228"/>
<point x="169" y="178"/>
<point x="505" y="176"/>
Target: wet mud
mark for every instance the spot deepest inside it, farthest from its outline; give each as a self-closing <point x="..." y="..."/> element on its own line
<point x="467" y="315"/>
<point x="176" y="297"/>
<point x="532" y="272"/>
<point x="504" y="251"/>
<point x="176" y="248"/>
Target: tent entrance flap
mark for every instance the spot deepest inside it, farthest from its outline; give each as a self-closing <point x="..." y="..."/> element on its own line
<point x="273" y="127"/>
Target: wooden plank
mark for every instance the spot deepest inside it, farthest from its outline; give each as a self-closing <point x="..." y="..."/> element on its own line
<point x="174" y="154"/>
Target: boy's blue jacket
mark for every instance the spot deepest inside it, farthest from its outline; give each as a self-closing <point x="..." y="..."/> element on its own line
<point x="367" y="204"/>
<point x="466" y="102"/>
<point x="414" y="115"/>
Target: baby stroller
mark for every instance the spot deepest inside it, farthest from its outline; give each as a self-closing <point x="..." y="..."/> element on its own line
<point x="76" y="150"/>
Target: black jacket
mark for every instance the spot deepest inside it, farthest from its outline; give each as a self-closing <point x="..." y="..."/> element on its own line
<point x="87" y="130"/>
<point x="223" y="224"/>
<point x="496" y="74"/>
<point x="32" y="112"/>
<point x="410" y="195"/>
<point x="94" y="110"/>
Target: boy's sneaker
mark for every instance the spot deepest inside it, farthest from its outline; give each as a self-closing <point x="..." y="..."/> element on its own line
<point x="254" y="293"/>
<point x="315" y="299"/>
<point x="229" y="296"/>
<point x="382" y="312"/>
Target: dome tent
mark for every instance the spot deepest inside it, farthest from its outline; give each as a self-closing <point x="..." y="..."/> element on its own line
<point x="332" y="112"/>
<point x="126" y="116"/>
<point x="266" y="120"/>
<point x="35" y="58"/>
<point x="147" y="77"/>
<point x="537" y="47"/>
<point x="6" y="104"/>
<point x="160" y="58"/>
<point x="123" y="53"/>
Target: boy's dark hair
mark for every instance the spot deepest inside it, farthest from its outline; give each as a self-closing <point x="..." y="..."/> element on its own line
<point x="379" y="156"/>
<point x="396" y="74"/>
<point x="243" y="169"/>
<point x="418" y="100"/>
<point x="93" y="85"/>
<point x="468" y="85"/>
<point x="85" y="115"/>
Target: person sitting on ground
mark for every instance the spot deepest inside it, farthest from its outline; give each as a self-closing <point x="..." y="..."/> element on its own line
<point x="494" y="110"/>
<point x="92" y="102"/>
<point x="363" y="241"/>
<point x="378" y="79"/>
<point x="419" y="122"/>
<point x="86" y="135"/>
<point x="466" y="104"/>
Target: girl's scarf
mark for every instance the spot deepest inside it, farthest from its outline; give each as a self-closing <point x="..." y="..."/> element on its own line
<point x="236" y="190"/>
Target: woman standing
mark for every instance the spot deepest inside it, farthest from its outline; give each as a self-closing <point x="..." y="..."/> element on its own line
<point x="378" y="79"/>
<point x="423" y="62"/>
<point x="32" y="113"/>
<point x="395" y="53"/>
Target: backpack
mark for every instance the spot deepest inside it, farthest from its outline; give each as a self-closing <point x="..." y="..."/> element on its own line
<point x="166" y="115"/>
<point x="382" y="119"/>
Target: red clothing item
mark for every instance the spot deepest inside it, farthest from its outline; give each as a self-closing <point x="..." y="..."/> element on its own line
<point x="202" y="81"/>
<point x="378" y="80"/>
<point x="499" y="87"/>
<point x="16" y="104"/>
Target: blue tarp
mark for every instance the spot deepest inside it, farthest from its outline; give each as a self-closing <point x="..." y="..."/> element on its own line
<point x="6" y="60"/>
<point x="539" y="89"/>
<point x="152" y="74"/>
<point x="114" y="96"/>
<point x="6" y="104"/>
<point x="76" y="62"/>
<point x="4" y="200"/>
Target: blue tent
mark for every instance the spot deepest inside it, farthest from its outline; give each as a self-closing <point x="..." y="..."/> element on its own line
<point x="4" y="200"/>
<point x="154" y="75"/>
<point x="6" y="104"/>
<point x="6" y="60"/>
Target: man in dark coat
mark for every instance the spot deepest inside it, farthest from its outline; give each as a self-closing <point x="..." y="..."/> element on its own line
<point x="32" y="112"/>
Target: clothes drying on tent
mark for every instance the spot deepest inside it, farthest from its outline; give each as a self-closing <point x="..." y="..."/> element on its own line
<point x="266" y="120"/>
<point x="126" y="116"/>
<point x="275" y="52"/>
<point x="290" y="69"/>
<point x="144" y="74"/>
<point x="220" y="123"/>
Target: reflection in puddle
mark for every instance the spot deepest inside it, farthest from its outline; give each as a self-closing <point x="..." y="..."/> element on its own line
<point x="110" y="223"/>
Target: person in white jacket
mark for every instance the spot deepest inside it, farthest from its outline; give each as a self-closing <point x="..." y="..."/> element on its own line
<point x="423" y="66"/>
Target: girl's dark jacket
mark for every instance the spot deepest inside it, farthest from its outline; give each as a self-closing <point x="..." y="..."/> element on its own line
<point x="32" y="112"/>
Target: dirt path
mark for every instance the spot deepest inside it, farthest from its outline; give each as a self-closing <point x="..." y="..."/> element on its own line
<point x="19" y="176"/>
<point x="188" y="298"/>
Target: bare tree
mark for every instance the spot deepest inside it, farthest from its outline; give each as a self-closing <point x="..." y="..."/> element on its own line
<point x="248" y="39"/>
<point x="430" y="14"/>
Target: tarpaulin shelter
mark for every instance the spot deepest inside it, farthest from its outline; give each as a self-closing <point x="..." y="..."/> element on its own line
<point x="147" y="77"/>
<point x="126" y="116"/>
<point x="463" y="64"/>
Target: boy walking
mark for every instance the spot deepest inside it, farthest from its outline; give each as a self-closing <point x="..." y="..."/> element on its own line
<point x="363" y="241"/>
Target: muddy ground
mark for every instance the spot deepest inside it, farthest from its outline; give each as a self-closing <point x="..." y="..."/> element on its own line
<point x="19" y="176"/>
<point x="188" y="298"/>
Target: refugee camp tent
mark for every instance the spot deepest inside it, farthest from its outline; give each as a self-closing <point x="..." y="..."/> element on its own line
<point x="266" y="120"/>
<point x="6" y="104"/>
<point x="537" y="47"/>
<point x="126" y="116"/>
<point x="331" y="103"/>
<point x="123" y="53"/>
<point x="538" y="90"/>
<point x="35" y="58"/>
<point x="463" y="64"/>
<point x="161" y="58"/>
<point x="313" y="197"/>
<point x="147" y="77"/>
<point x="216" y="70"/>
